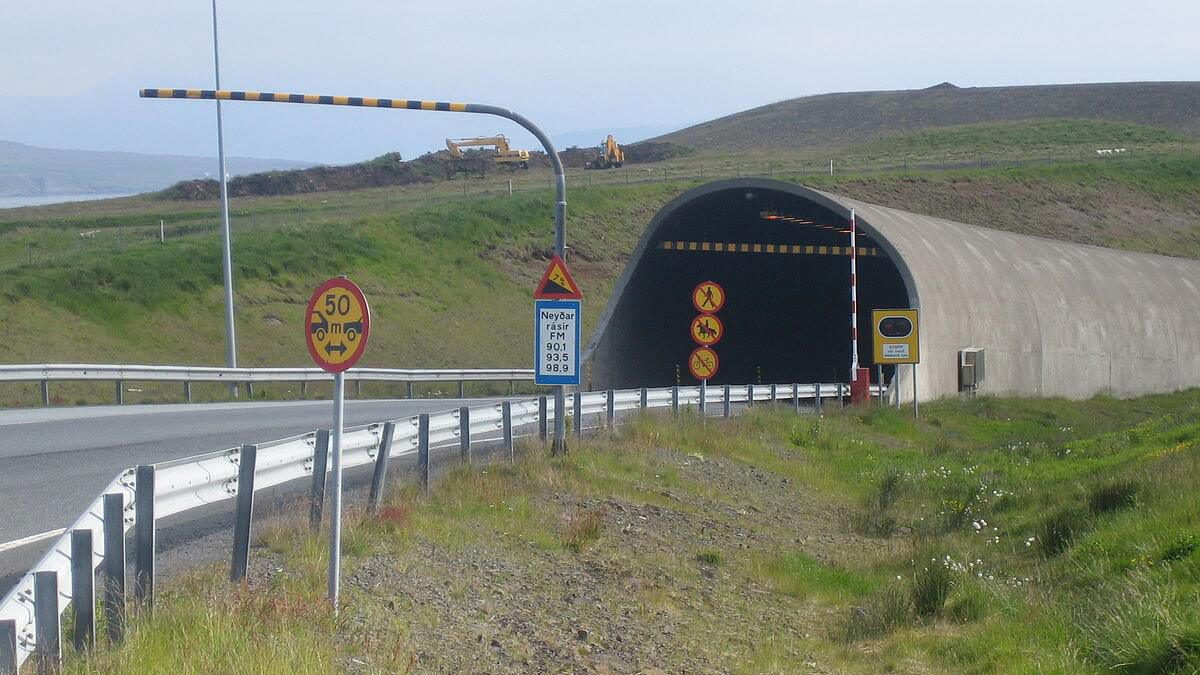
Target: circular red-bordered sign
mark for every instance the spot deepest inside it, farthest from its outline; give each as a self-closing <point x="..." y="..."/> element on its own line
<point x="337" y="324"/>
<point x="707" y="330"/>
<point x="703" y="363"/>
<point x="708" y="297"/>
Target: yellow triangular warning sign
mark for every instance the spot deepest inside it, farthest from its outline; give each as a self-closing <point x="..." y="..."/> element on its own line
<point x="556" y="283"/>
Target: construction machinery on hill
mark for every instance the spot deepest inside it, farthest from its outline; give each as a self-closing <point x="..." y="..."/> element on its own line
<point x="504" y="154"/>
<point x="611" y="156"/>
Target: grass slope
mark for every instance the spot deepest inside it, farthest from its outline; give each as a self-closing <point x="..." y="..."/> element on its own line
<point x="991" y="536"/>
<point x="844" y="119"/>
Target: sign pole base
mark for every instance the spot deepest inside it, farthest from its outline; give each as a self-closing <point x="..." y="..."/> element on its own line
<point x="335" y="501"/>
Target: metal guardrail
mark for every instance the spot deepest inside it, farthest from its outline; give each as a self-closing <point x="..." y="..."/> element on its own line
<point x="49" y="372"/>
<point x="189" y="483"/>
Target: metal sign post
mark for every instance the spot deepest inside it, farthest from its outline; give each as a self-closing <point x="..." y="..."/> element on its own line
<point x="557" y="320"/>
<point x="560" y="176"/>
<point x="337" y="323"/>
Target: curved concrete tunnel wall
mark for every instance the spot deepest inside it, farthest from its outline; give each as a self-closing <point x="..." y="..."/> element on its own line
<point x="1055" y="318"/>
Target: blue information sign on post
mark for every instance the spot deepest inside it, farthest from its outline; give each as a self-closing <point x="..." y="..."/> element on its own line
<point x="556" y="330"/>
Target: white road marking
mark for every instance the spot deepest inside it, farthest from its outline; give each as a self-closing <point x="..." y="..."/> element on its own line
<point x="32" y="539"/>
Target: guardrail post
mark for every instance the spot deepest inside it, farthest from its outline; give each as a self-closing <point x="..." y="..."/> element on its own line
<point x="796" y="396"/>
<point x="542" y="417"/>
<point x="462" y="389"/>
<point x="83" y="589"/>
<point x="114" y="567"/>
<point x="143" y="541"/>
<point x="408" y="390"/>
<point x="842" y="394"/>
<point x="316" y="502"/>
<point x="379" y="478"/>
<point x="750" y="396"/>
<point x="578" y="404"/>
<point x="45" y="610"/>
<point x="512" y="388"/>
<point x="611" y="409"/>
<point x="120" y="392"/>
<point x="817" y="397"/>
<point x="774" y="393"/>
<point x="675" y="398"/>
<point x="303" y="389"/>
<point x="8" y="647"/>
<point x="46" y="393"/>
<point x="249" y="390"/>
<point x="464" y="434"/>
<point x="423" y="450"/>
<point x="726" y="405"/>
<point x="244" y="514"/>
<point x="644" y="400"/>
<point x="187" y="391"/>
<point x="358" y="389"/>
<point x="506" y="424"/>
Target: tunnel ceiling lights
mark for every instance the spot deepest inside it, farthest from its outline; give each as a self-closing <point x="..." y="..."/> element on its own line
<point x="771" y="215"/>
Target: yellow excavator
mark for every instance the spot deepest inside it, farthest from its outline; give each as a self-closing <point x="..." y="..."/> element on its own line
<point x="611" y="156"/>
<point x="504" y="154"/>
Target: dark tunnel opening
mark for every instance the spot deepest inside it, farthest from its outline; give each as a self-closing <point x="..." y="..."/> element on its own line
<point x="784" y="263"/>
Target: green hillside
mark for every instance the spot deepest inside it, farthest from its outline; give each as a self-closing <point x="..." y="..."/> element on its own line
<point x="450" y="276"/>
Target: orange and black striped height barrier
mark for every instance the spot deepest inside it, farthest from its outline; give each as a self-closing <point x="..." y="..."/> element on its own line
<point x="560" y="206"/>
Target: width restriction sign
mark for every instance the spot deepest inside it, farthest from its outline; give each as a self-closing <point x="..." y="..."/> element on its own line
<point x="556" y="339"/>
<point x="337" y="325"/>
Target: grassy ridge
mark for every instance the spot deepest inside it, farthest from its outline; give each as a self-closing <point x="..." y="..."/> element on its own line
<point x="991" y="536"/>
<point x="1007" y="137"/>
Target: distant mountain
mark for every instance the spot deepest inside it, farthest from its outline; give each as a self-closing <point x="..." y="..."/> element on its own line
<point x="836" y="120"/>
<point x="27" y="171"/>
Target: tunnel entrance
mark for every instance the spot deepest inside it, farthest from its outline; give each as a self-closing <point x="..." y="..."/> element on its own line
<point x="782" y="256"/>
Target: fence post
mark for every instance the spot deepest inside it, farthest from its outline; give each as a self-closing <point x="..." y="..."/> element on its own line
<point x="45" y="611"/>
<point x="578" y="405"/>
<point x="143" y="541"/>
<point x="8" y="647"/>
<point x="423" y="450"/>
<point x="244" y="513"/>
<point x="644" y="400"/>
<point x="379" y="478"/>
<point x="114" y="566"/>
<point x="45" y="393"/>
<point x="611" y="409"/>
<point x="120" y="392"/>
<point x="542" y="417"/>
<point x="316" y="500"/>
<point x="83" y="589"/>
<point x="817" y="397"/>
<point x="727" y="408"/>
<point x="674" y="398"/>
<point x="464" y="434"/>
<point x="506" y="423"/>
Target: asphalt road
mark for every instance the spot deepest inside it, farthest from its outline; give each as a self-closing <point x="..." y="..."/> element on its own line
<point x="54" y="461"/>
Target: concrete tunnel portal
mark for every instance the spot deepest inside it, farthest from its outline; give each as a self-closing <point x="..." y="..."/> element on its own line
<point x="782" y="256"/>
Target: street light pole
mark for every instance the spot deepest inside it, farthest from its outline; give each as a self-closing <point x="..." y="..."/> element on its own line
<point x="226" y="244"/>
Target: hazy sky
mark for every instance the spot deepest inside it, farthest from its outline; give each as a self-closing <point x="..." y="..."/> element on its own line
<point x="71" y="68"/>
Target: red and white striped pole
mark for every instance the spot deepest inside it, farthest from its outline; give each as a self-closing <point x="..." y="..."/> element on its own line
<point x="853" y="300"/>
